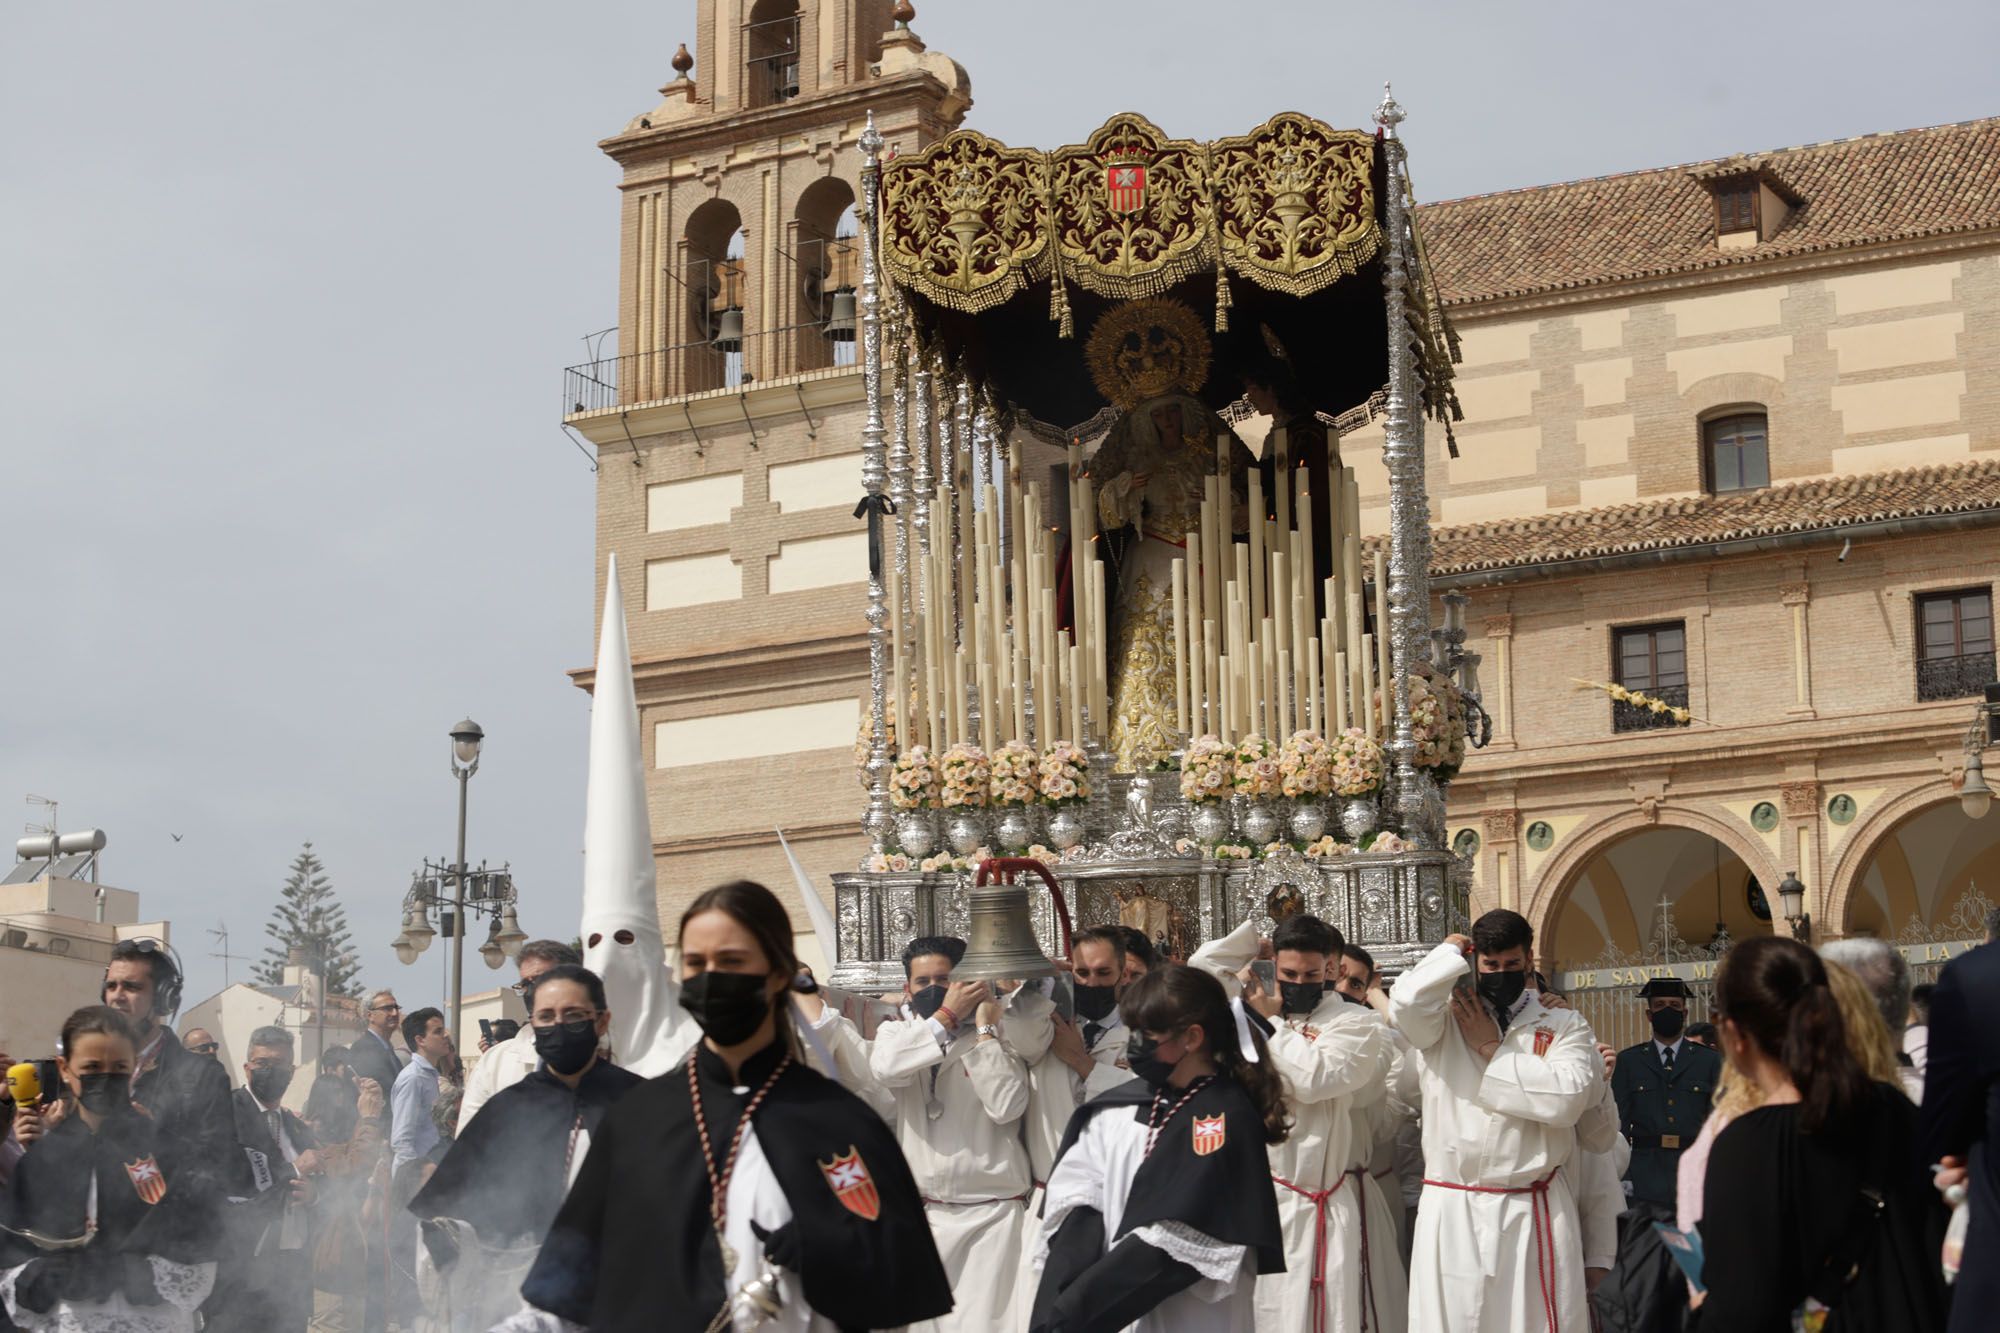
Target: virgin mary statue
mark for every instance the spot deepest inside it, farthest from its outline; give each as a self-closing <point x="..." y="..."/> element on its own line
<point x="1151" y="358"/>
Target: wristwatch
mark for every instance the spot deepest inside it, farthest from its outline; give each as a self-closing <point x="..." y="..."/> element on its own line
<point x="988" y="1030"/>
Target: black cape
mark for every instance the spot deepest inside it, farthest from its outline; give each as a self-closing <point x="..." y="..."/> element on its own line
<point x="1226" y="1194"/>
<point x="50" y="1191"/>
<point x="506" y="1174"/>
<point x="633" y="1247"/>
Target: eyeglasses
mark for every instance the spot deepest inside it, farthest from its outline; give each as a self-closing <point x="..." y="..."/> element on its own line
<point x="385" y="1008"/>
<point x="283" y="1066"/>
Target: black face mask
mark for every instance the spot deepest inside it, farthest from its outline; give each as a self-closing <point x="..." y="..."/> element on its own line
<point x="1301" y="997"/>
<point x="567" y="1047"/>
<point x="1095" y="1002"/>
<point x="1667" y="1023"/>
<point x="1501" y="989"/>
<point x="729" y="1006"/>
<point x="1352" y="998"/>
<point x="104" y="1094"/>
<point x="269" y="1085"/>
<point x="1139" y="1058"/>
<point x="927" y="1001"/>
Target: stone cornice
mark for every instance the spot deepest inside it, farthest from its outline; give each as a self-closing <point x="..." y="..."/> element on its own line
<point x="614" y="429"/>
<point x="651" y="150"/>
<point x="691" y="668"/>
<point x="1624" y="291"/>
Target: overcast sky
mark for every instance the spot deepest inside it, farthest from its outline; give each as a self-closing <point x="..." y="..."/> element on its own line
<point x="285" y="293"/>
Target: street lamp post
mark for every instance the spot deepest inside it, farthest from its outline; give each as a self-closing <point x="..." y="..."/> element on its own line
<point x="1792" y="904"/>
<point x="466" y="738"/>
<point x="1975" y="797"/>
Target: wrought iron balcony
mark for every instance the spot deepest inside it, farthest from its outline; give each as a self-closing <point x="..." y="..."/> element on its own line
<point x="1960" y="677"/>
<point x="1640" y="717"/>
<point x="701" y="367"/>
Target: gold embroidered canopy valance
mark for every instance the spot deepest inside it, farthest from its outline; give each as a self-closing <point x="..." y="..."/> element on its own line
<point x="969" y="222"/>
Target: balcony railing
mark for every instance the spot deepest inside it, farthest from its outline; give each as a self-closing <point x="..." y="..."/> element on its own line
<point x="1639" y="717"/>
<point x="1954" y="677"/>
<point x="699" y="367"/>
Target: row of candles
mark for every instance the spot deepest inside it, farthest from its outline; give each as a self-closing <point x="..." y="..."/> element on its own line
<point x="1252" y="651"/>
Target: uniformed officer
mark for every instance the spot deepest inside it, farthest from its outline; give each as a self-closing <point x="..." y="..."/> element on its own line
<point x="1663" y="1087"/>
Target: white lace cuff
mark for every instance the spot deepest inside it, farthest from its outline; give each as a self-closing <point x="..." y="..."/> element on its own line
<point x="183" y="1286"/>
<point x="1215" y="1261"/>
<point x="530" y="1320"/>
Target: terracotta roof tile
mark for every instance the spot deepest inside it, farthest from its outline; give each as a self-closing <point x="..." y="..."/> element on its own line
<point x="1880" y="187"/>
<point x="1828" y="503"/>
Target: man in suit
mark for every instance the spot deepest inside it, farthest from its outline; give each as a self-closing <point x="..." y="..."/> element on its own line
<point x="373" y="1053"/>
<point x="1664" y="1088"/>
<point x="265" y="1281"/>
<point x="1960" y="1123"/>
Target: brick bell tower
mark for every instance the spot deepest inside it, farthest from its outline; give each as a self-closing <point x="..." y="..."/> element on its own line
<point x="727" y="426"/>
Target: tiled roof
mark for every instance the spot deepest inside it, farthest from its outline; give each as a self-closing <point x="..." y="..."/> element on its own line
<point x="1660" y="525"/>
<point x="1877" y="188"/>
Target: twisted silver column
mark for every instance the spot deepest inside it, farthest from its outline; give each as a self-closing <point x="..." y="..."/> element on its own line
<point x="878" y="821"/>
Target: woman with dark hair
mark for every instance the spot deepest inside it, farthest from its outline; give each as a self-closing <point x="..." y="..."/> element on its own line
<point x="106" y="1225"/>
<point x="804" y="1215"/>
<point x="1813" y="1200"/>
<point x="1159" y="1212"/>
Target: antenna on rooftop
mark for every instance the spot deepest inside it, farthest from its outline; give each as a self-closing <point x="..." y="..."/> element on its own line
<point x="221" y="937"/>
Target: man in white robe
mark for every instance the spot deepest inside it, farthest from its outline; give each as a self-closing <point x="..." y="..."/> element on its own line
<point x="960" y="1093"/>
<point x="1331" y="1055"/>
<point x="1378" y="1115"/>
<point x="1511" y="1090"/>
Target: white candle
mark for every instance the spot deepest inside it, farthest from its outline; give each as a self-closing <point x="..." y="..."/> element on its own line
<point x="1179" y="595"/>
<point x="1367" y="661"/>
<point x="1338" y="684"/>
<point x="1383" y="639"/>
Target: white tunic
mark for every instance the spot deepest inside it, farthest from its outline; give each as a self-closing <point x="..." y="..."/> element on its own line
<point x="969" y="1162"/>
<point x="1506" y="1254"/>
<point x="1097" y="1173"/>
<point x="182" y="1289"/>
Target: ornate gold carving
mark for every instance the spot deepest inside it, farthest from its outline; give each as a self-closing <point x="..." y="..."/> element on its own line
<point x="1502" y="825"/>
<point x="969" y="221"/>
<point x="1130" y="209"/>
<point x="965" y="222"/>
<point x="1144" y="349"/>
<point x="1295" y="203"/>
<point x="1799" y="799"/>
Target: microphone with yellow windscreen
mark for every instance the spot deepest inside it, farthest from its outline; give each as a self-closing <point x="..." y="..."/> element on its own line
<point x="24" y="1084"/>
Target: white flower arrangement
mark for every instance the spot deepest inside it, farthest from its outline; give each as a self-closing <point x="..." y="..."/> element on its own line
<point x="1389" y="841"/>
<point x="1016" y="776"/>
<point x="1257" y="775"/>
<point x="946" y="862"/>
<point x="1305" y="765"/>
<point x="1638" y="699"/>
<point x="965" y="775"/>
<point x="1186" y="847"/>
<point x="1064" y="774"/>
<point x="886" y="863"/>
<point x="1230" y="851"/>
<point x="1358" y="763"/>
<point x="1437" y="720"/>
<point x="1208" y="768"/>
<point x="1324" y="848"/>
<point x="864" y="739"/>
<point x="913" y="780"/>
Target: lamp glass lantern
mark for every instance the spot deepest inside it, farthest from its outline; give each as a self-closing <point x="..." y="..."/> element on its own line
<point x="1792" y="897"/>
<point x="1975" y="797"/>
<point x="466" y="738"/>
<point x="417" y="927"/>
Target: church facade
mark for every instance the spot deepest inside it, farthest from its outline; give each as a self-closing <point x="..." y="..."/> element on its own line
<point x="1732" y="440"/>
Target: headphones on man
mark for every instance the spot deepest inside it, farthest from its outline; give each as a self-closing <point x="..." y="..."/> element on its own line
<point x="166" y="969"/>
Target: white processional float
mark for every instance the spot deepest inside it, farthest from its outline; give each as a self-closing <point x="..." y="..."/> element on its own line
<point x="1101" y="634"/>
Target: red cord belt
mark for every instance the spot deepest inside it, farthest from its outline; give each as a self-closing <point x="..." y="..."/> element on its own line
<point x="1317" y="1286"/>
<point x="1545" y="1231"/>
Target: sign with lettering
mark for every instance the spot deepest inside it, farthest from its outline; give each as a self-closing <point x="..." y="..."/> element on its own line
<point x="1614" y="978"/>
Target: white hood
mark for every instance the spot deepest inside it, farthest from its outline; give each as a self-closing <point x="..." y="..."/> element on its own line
<point x="621" y="915"/>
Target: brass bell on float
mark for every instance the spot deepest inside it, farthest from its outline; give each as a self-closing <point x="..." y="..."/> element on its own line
<point x="840" y="317"/>
<point x="1000" y="935"/>
<point x="728" y="330"/>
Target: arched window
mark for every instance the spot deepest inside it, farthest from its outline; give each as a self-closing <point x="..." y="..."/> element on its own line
<point x="829" y="272"/>
<point x="717" y="284"/>
<point x="771" y="52"/>
<point x="1735" y="449"/>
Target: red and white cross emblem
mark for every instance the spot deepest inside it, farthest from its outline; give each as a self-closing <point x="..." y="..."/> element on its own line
<point x="847" y="1176"/>
<point x="1209" y="1134"/>
<point x="147" y="1179"/>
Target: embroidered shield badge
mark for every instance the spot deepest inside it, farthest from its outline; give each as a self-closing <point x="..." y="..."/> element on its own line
<point x="1543" y="1038"/>
<point x="147" y="1179"/>
<point x="847" y="1176"/>
<point x="1125" y="185"/>
<point x="1209" y="1134"/>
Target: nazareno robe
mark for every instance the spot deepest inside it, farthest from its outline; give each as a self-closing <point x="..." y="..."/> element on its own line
<point x="1169" y="1239"/>
<point x="506" y="1174"/>
<point x="157" y="1222"/>
<point x="633" y="1246"/>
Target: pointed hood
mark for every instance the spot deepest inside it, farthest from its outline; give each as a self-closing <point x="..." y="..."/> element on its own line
<point x="621" y="915"/>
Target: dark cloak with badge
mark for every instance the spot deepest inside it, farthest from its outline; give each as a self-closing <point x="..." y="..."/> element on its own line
<point x="149" y="1202"/>
<point x="1225" y="1194"/>
<point x="506" y="1174"/>
<point x="633" y="1246"/>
